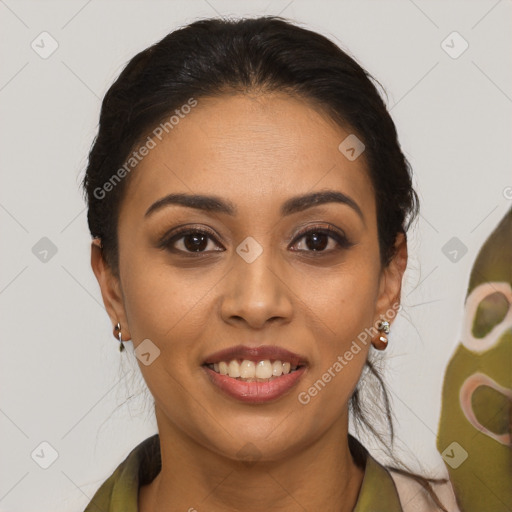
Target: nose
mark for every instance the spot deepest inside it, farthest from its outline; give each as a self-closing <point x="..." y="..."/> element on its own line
<point x="257" y="293"/>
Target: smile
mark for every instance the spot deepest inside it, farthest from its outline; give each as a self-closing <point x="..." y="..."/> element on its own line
<point x="255" y="375"/>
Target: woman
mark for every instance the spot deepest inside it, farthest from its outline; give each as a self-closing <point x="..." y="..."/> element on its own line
<point x="249" y="203"/>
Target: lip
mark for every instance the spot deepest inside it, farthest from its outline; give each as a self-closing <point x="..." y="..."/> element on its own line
<point x="256" y="354"/>
<point x="255" y="392"/>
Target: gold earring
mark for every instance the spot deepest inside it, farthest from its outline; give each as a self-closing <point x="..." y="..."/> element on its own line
<point x="119" y="336"/>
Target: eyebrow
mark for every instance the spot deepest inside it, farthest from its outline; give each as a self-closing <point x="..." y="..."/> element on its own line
<point x="215" y="204"/>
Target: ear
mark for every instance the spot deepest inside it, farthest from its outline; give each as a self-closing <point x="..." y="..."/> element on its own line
<point x="110" y="289"/>
<point x="390" y="286"/>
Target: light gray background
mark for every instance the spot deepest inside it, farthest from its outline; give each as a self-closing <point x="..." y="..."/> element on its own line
<point x="62" y="376"/>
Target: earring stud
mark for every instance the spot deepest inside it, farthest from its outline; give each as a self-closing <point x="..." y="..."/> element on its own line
<point x="382" y="341"/>
<point x="383" y="325"/>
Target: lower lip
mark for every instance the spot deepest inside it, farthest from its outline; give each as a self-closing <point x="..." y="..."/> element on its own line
<point x="256" y="392"/>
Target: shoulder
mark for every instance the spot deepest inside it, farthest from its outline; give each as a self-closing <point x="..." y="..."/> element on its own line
<point x="415" y="498"/>
<point x="119" y="493"/>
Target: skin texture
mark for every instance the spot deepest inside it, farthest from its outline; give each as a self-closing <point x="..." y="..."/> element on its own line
<point x="256" y="151"/>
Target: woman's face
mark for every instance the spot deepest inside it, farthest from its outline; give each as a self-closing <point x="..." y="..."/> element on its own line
<point x="254" y="279"/>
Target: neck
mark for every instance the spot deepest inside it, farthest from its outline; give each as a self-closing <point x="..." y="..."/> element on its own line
<point x="321" y="476"/>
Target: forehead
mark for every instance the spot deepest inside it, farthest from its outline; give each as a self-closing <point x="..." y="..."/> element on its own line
<point x="251" y="149"/>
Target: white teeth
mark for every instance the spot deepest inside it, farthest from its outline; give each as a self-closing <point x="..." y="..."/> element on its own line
<point x="248" y="370"/>
<point x="223" y="368"/>
<point x="264" y="369"/>
<point x="234" y="369"/>
<point x="277" y="368"/>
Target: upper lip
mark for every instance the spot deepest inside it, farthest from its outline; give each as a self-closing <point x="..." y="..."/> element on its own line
<point x="256" y="354"/>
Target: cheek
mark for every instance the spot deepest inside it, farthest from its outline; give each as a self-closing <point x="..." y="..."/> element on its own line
<point x="167" y="308"/>
<point x="338" y="311"/>
<point x="343" y="300"/>
<point x="162" y="302"/>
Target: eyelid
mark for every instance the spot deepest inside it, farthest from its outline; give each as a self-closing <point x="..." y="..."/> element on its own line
<point x="181" y="231"/>
<point x="331" y="231"/>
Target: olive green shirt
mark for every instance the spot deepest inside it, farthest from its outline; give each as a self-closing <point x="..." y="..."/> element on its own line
<point x="119" y="493"/>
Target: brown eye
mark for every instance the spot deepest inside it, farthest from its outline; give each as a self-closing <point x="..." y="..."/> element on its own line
<point x="189" y="241"/>
<point x="195" y="242"/>
<point x="317" y="239"/>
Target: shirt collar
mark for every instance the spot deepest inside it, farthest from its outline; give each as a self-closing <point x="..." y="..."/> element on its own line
<point x="119" y="493"/>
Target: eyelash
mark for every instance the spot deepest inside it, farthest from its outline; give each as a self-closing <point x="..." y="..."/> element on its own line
<point x="168" y="240"/>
